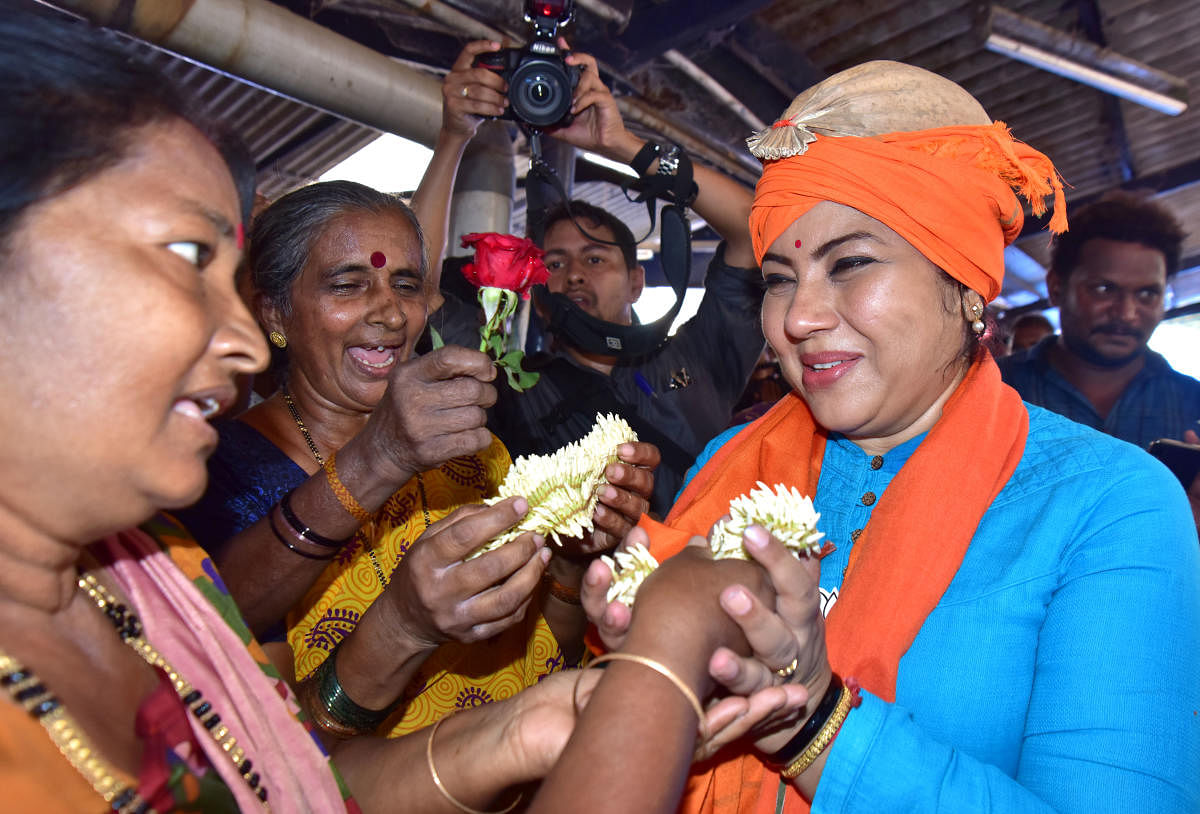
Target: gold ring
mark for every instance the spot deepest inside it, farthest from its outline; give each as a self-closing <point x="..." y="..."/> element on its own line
<point x="465" y="92"/>
<point x="786" y="672"/>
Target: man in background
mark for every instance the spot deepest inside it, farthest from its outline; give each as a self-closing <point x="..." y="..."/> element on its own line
<point x="1027" y="331"/>
<point x="1108" y="276"/>
<point x="681" y="394"/>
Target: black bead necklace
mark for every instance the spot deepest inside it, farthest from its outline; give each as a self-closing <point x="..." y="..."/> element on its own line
<point x="129" y="628"/>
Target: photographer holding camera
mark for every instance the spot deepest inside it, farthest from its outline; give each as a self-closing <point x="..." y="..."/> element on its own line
<point x="682" y="393"/>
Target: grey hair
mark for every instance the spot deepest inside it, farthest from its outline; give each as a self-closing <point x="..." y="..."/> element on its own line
<point x="283" y="234"/>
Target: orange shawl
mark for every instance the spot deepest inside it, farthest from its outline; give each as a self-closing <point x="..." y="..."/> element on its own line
<point x="899" y="567"/>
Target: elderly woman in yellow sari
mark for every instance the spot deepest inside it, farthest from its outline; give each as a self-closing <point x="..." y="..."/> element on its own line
<point x="347" y="501"/>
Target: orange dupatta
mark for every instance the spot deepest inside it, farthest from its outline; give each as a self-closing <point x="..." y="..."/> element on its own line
<point x="899" y="567"/>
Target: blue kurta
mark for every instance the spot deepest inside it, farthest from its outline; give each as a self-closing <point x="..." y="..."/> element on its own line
<point x="1061" y="669"/>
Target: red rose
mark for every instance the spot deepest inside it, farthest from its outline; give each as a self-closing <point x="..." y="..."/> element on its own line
<point x="505" y="261"/>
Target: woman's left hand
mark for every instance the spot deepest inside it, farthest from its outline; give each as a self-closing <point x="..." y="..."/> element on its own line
<point x="734" y="716"/>
<point x="793" y="629"/>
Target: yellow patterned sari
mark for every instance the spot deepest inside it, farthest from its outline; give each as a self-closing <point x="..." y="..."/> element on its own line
<point x="455" y="676"/>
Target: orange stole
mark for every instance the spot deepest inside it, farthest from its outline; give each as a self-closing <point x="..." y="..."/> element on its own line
<point x="901" y="564"/>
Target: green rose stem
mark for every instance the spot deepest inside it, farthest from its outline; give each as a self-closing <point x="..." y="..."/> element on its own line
<point x="498" y="305"/>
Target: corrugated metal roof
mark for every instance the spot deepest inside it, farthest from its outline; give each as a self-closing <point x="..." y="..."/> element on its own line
<point x="292" y="143"/>
<point x="1096" y="141"/>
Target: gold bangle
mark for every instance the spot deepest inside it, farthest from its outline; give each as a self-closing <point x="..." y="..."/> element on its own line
<point x="823" y="738"/>
<point x="342" y="493"/>
<point x="437" y="780"/>
<point x="662" y="670"/>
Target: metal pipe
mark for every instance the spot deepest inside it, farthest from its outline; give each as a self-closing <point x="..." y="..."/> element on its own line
<point x="607" y="13"/>
<point x="1064" y="54"/>
<point x="455" y="19"/>
<point x="272" y="47"/>
<point x="484" y="189"/>
<point x="714" y="88"/>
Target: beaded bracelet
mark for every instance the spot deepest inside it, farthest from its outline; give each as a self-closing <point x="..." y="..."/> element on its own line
<point x="303" y="530"/>
<point x="294" y="548"/>
<point x="437" y="779"/>
<point x="342" y="493"/>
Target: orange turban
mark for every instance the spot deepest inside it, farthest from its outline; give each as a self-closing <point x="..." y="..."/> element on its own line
<point x="947" y="191"/>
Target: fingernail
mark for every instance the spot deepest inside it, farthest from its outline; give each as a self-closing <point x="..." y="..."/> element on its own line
<point x="539" y="540"/>
<point x="545" y="555"/>
<point x="609" y="493"/>
<point x="737" y="602"/>
<point x="756" y="537"/>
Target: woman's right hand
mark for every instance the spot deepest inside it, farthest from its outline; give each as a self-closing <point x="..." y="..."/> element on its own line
<point x="434" y="409"/>
<point x="789" y="627"/>
<point x="435" y="595"/>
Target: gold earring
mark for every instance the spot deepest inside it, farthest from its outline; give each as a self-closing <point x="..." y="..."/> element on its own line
<point x="277" y="339"/>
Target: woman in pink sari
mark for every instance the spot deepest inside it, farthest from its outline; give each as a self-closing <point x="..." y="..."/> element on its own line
<point x="130" y="680"/>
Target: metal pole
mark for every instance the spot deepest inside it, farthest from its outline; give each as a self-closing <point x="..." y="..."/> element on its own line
<point x="270" y="46"/>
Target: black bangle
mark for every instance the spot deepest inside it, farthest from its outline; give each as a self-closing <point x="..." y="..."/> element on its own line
<point x="645" y="157"/>
<point x="800" y="741"/>
<point x="302" y="530"/>
<point x="291" y="546"/>
<point x="341" y="707"/>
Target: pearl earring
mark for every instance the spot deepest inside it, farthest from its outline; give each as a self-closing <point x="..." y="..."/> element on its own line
<point x="977" y="324"/>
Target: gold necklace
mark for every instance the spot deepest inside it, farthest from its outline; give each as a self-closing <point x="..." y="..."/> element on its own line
<point x="129" y="628"/>
<point x="72" y="741"/>
<point x="68" y="736"/>
<point x="369" y="542"/>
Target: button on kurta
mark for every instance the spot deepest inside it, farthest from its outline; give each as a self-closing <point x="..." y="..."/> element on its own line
<point x="854" y="535"/>
<point x="868" y="498"/>
<point x="877" y="462"/>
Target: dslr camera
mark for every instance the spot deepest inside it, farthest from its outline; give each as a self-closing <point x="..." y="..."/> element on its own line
<point x="540" y="82"/>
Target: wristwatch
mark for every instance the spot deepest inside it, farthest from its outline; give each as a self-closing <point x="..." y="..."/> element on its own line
<point x="668" y="164"/>
<point x="645" y="157"/>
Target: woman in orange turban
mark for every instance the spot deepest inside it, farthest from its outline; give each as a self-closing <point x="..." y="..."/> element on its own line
<point x="1009" y="619"/>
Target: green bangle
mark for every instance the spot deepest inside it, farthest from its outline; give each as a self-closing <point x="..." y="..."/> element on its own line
<point x="342" y="708"/>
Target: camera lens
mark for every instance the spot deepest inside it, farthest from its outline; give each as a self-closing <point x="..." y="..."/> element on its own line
<point x="540" y="93"/>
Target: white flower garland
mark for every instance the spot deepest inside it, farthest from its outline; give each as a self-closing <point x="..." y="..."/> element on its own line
<point x="562" y="488"/>
<point x="781" y="510"/>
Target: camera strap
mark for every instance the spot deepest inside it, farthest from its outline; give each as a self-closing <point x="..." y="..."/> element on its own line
<point x="567" y="320"/>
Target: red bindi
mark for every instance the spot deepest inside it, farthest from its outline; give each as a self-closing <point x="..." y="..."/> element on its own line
<point x="797" y="244"/>
<point x="241" y="236"/>
<point x="378" y="260"/>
